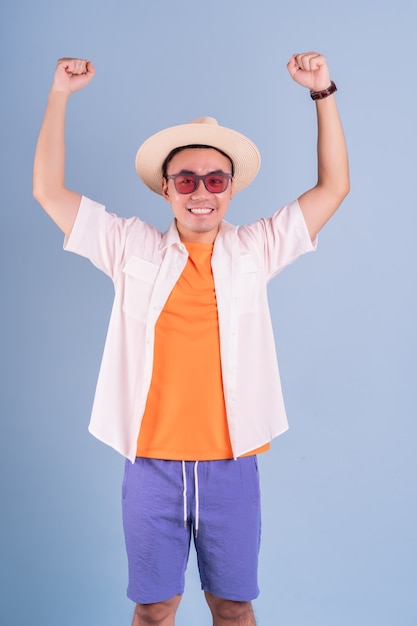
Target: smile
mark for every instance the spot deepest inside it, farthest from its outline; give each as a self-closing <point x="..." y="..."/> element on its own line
<point x="200" y="211"/>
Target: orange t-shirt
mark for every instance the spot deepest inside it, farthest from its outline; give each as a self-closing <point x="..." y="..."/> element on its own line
<point x="185" y="414"/>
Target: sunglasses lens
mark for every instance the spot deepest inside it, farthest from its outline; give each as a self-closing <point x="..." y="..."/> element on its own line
<point x="188" y="183"/>
<point x="185" y="184"/>
<point x="216" y="183"/>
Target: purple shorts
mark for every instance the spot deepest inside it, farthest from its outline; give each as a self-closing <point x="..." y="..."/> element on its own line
<point x="165" y="503"/>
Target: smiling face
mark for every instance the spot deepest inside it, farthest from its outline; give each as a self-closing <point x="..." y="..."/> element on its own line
<point x="198" y="214"/>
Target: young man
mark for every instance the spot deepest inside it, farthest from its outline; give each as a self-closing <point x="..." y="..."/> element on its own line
<point x="189" y="389"/>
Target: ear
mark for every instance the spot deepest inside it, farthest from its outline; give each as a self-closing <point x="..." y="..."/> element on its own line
<point x="232" y="190"/>
<point x="165" y="193"/>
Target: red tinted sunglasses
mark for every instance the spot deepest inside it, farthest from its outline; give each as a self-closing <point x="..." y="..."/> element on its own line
<point x="216" y="182"/>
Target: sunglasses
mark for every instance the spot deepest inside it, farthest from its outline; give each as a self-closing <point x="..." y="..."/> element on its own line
<point x="216" y="182"/>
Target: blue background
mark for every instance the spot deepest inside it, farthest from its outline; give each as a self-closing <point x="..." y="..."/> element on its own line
<point x="339" y="489"/>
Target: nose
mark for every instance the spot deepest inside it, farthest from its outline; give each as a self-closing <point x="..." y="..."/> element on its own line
<point x="200" y="190"/>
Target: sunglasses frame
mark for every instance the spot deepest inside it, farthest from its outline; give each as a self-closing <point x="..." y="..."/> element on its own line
<point x="197" y="180"/>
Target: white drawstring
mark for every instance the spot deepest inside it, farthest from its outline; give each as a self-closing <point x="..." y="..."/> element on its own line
<point x="184" y="493"/>
<point x="197" y="502"/>
<point x="184" y="496"/>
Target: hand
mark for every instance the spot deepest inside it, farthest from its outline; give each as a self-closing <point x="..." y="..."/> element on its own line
<point x="72" y="75"/>
<point x="310" y="70"/>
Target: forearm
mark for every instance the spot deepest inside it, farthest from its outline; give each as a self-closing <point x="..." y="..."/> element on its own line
<point x="318" y="204"/>
<point x="49" y="165"/>
<point x="332" y="158"/>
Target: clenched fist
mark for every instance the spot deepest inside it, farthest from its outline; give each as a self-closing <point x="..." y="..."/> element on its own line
<point x="72" y="75"/>
<point x="310" y="69"/>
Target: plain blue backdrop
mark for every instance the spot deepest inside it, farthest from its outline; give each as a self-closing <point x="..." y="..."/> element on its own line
<point x="339" y="489"/>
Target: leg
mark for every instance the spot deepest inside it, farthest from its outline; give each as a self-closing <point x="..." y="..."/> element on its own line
<point x="229" y="612"/>
<point x="157" y="543"/>
<point x="156" y="614"/>
<point x="229" y="532"/>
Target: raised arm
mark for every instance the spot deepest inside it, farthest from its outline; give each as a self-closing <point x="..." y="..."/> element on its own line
<point x="319" y="203"/>
<point x="49" y="188"/>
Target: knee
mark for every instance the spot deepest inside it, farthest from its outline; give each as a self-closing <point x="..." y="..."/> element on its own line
<point x="230" y="610"/>
<point x="157" y="612"/>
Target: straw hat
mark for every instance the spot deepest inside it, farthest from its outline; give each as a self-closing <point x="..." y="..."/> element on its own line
<point x="206" y="131"/>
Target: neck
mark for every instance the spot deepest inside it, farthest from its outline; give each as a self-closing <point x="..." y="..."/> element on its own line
<point x="197" y="237"/>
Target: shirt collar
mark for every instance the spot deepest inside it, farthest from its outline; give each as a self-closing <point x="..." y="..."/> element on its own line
<point x="171" y="236"/>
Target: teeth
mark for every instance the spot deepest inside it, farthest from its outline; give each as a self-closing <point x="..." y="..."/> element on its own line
<point x="200" y="211"/>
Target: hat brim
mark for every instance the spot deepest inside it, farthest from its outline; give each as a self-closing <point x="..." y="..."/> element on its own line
<point x="153" y="152"/>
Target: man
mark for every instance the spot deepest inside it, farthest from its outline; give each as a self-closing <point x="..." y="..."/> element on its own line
<point x="189" y="388"/>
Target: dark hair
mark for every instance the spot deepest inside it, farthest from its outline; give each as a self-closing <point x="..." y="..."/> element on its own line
<point x="175" y="151"/>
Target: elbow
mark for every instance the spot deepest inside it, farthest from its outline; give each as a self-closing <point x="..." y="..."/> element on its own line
<point x="341" y="190"/>
<point x="336" y="182"/>
<point x="46" y="188"/>
<point x="345" y="184"/>
<point x="44" y="193"/>
<point x="39" y="191"/>
<point x="42" y="197"/>
<point x="344" y="190"/>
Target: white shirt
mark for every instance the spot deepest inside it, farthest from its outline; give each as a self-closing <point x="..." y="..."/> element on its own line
<point x="144" y="265"/>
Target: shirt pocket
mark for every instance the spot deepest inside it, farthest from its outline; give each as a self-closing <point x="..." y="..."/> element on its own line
<point x="248" y="284"/>
<point x="140" y="278"/>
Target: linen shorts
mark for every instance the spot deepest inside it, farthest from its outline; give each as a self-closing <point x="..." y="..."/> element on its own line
<point x="217" y="503"/>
